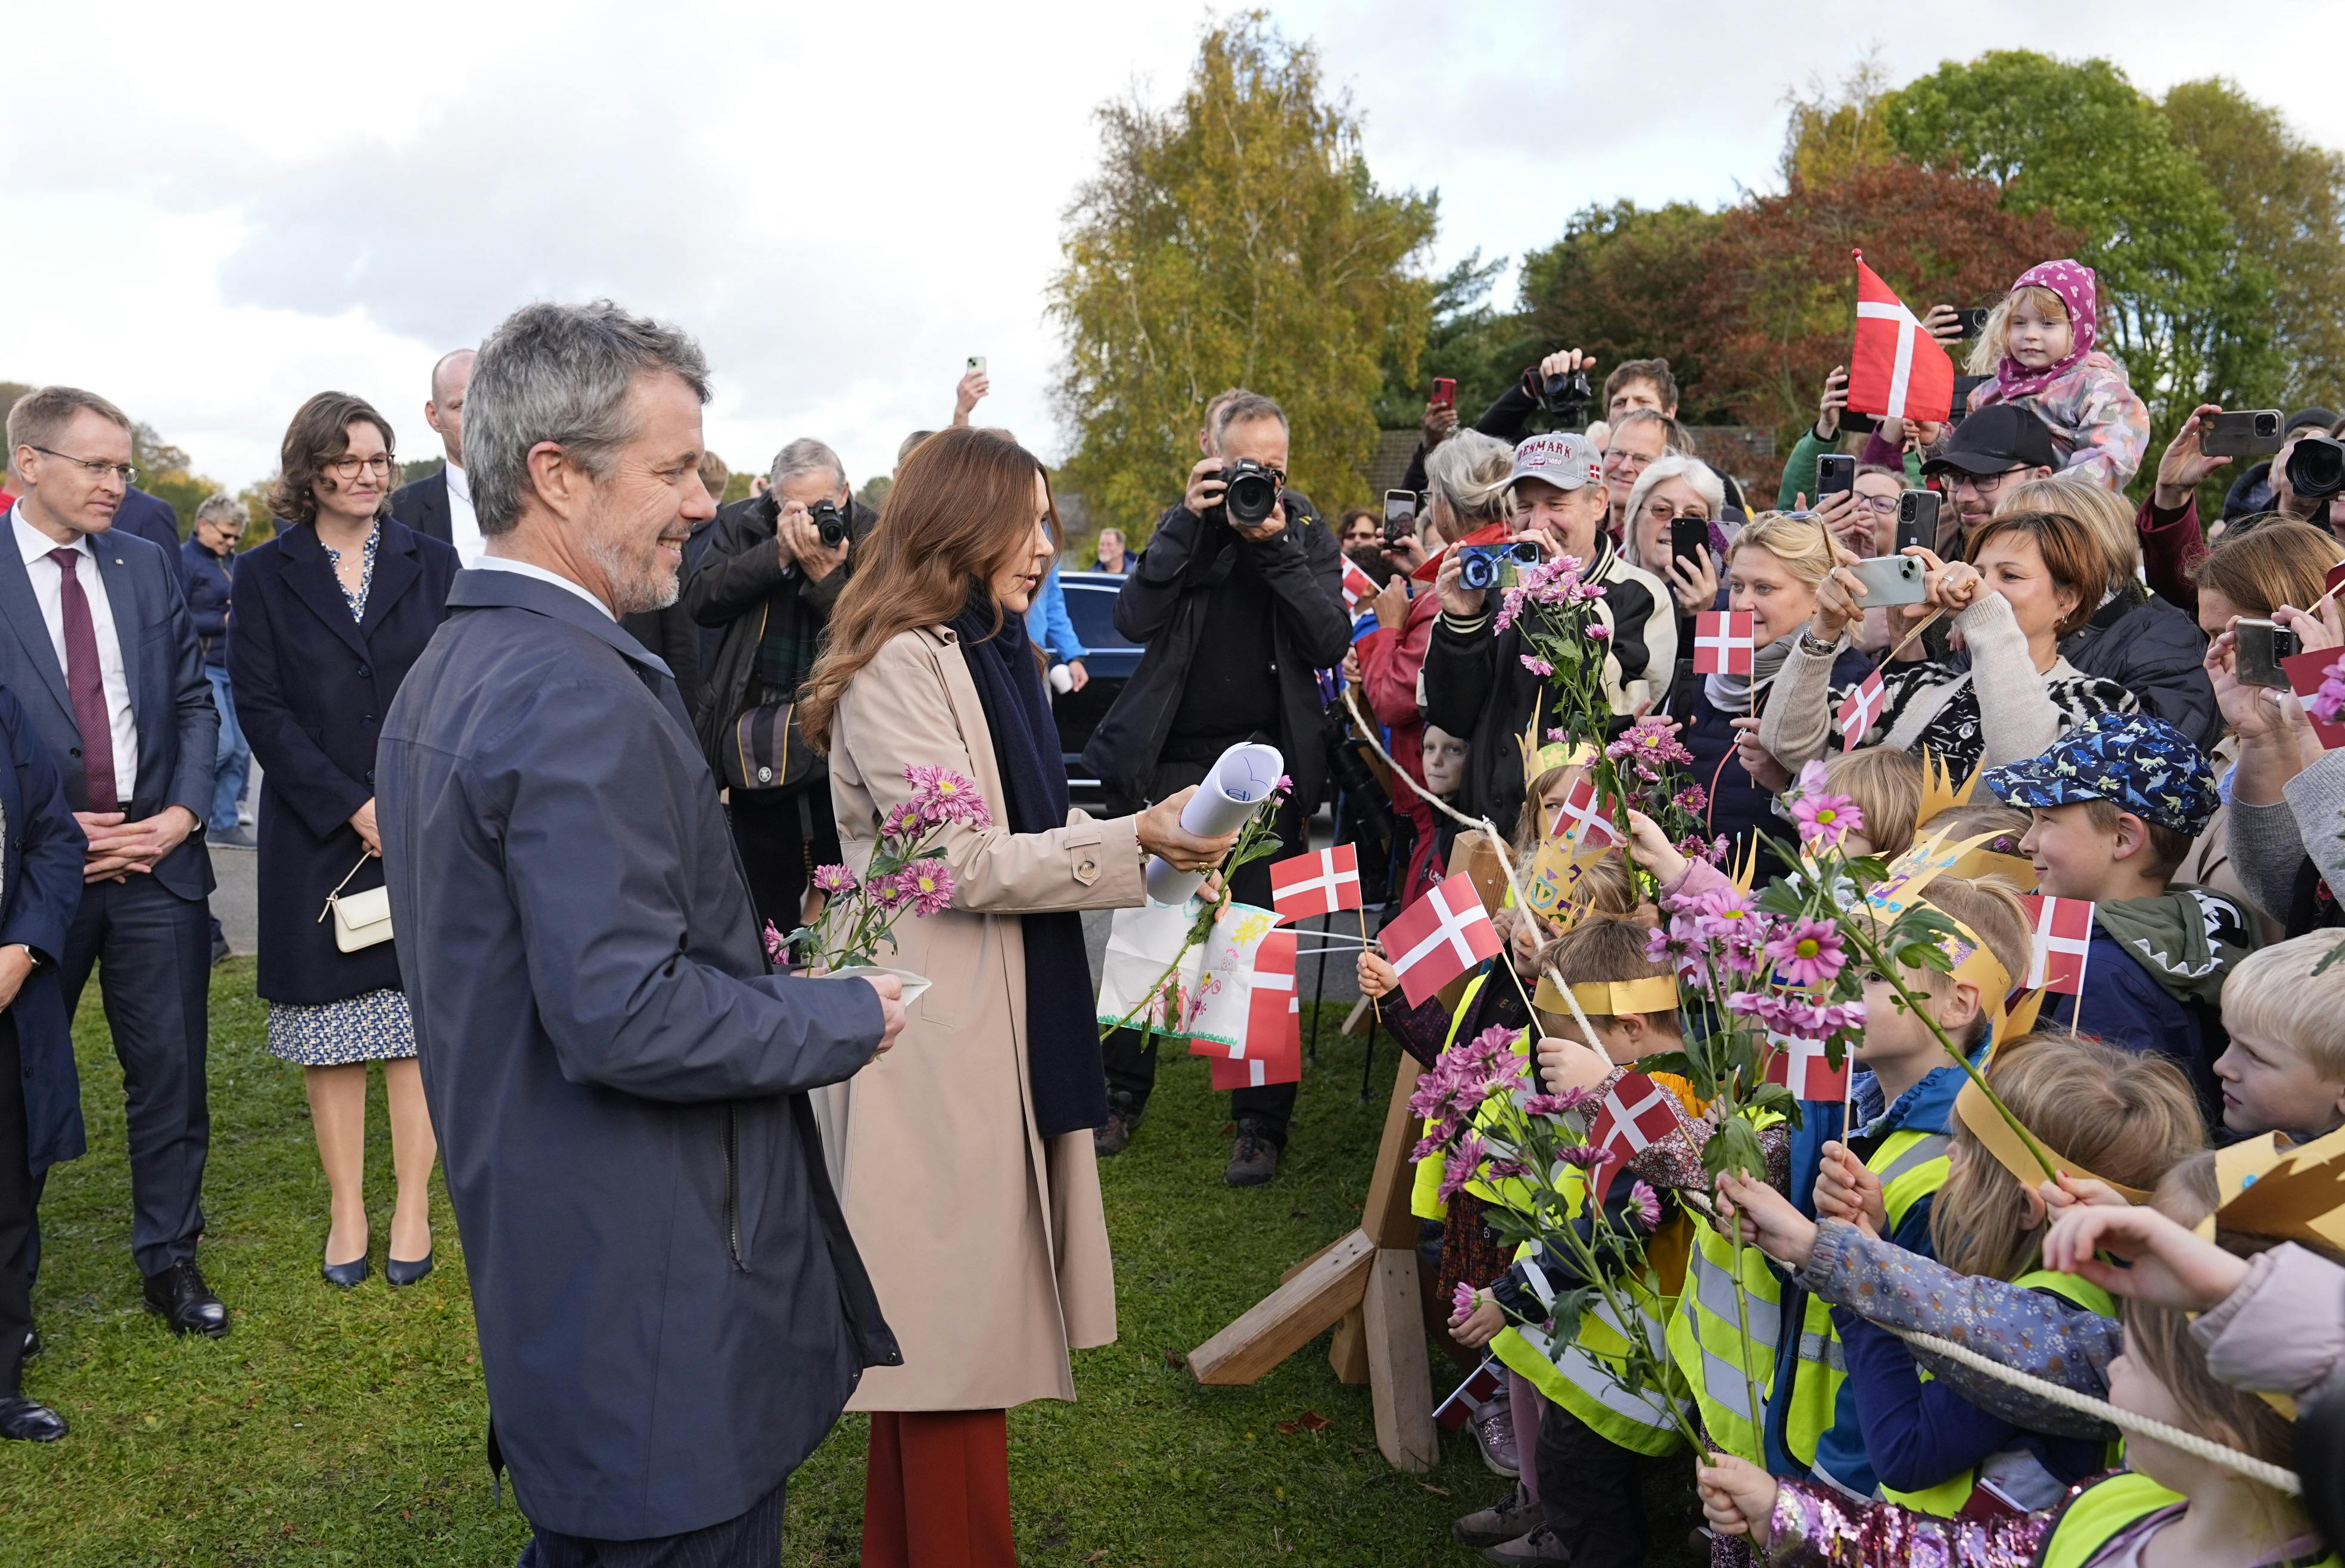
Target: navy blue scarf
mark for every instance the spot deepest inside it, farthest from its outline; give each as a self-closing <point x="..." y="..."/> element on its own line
<point x="1062" y="1048"/>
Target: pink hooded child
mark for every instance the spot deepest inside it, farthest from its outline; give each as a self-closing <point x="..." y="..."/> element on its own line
<point x="2099" y="426"/>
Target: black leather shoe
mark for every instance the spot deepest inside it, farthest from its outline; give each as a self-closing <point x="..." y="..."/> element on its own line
<point x="186" y="1302"/>
<point x="28" y="1421"/>
<point x="32" y="1343"/>
<point x="401" y="1272"/>
<point x="346" y="1275"/>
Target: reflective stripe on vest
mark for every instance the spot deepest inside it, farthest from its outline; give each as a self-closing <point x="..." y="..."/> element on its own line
<point x="1910" y="1165"/>
<point x="1707" y="1344"/>
<point x="2092" y="1518"/>
<point x="1950" y="1496"/>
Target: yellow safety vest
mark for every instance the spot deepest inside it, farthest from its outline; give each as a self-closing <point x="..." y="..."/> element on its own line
<point x="1425" y="1199"/>
<point x="1910" y="1165"/>
<point x="1706" y="1338"/>
<point x="1948" y="1497"/>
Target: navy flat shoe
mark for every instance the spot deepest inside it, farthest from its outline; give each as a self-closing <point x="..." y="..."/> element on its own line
<point x="400" y="1273"/>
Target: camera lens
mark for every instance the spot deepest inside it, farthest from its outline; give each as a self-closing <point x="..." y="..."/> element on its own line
<point x="2316" y="467"/>
<point x="1908" y="508"/>
<point x="1252" y="494"/>
<point x="1477" y="571"/>
<point x="2267" y="426"/>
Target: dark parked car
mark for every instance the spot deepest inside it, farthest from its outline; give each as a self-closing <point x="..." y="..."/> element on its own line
<point x="1091" y="605"/>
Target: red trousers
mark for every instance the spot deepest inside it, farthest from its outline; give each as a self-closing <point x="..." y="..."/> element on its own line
<point x="936" y="1490"/>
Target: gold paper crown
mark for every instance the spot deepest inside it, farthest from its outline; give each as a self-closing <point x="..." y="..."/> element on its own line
<point x="2286" y="1192"/>
<point x="1939" y="792"/>
<point x="1745" y="869"/>
<point x="2015" y="869"/>
<point x="1994" y="1135"/>
<point x="1610" y="998"/>
<point x="1915" y="869"/>
<point x="1551" y="883"/>
<point x="1537" y="758"/>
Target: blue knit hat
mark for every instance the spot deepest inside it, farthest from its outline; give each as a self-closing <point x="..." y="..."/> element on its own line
<point x="2133" y="761"/>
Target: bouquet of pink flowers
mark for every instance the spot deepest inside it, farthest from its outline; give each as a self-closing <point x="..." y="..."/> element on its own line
<point x="906" y="875"/>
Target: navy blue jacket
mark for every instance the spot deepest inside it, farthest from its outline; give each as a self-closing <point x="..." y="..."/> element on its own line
<point x="2126" y="1006"/>
<point x="149" y="517"/>
<point x="312" y="687"/>
<point x="671" y="1312"/>
<point x="423" y="506"/>
<point x="1740" y="809"/>
<point x="179" y="727"/>
<point x="40" y="889"/>
<point x="206" y="577"/>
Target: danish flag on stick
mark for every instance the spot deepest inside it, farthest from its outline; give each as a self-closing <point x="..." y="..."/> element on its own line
<point x="1319" y="882"/>
<point x="2060" y="935"/>
<point x="1637" y="1114"/>
<point x="1581" y="817"/>
<point x="1725" y="643"/>
<point x="1800" y="1066"/>
<point x="1358" y="586"/>
<point x="1439" y="937"/>
<point x="1896" y="369"/>
<point x="1469" y="1398"/>
<point x="1860" y="709"/>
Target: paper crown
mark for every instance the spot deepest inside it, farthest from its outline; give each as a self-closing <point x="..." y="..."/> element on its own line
<point x="1745" y="869"/>
<point x="1914" y="870"/>
<point x="1610" y="998"/>
<point x="1995" y="1136"/>
<point x="2015" y="869"/>
<point x="2287" y="1192"/>
<point x="1939" y="792"/>
<point x="1538" y="758"/>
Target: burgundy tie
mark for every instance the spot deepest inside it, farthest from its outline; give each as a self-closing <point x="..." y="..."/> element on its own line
<point x="85" y="685"/>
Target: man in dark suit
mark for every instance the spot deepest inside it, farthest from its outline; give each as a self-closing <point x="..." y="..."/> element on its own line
<point x="147" y="517"/>
<point x="40" y="1094"/>
<point x="594" y="1014"/>
<point x="441" y="504"/>
<point x="102" y="652"/>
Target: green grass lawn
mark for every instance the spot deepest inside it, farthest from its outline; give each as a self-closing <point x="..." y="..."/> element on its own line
<point x="335" y="1427"/>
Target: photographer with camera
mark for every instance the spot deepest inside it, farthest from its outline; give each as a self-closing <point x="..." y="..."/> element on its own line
<point x="772" y="567"/>
<point x="1238" y="603"/>
<point x="1476" y="684"/>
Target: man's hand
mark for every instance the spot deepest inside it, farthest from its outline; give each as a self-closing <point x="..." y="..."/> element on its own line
<point x="1275" y="523"/>
<point x="107" y="856"/>
<point x="1564" y="361"/>
<point x="1392" y="605"/>
<point x="2184" y="464"/>
<point x="1834" y="402"/>
<point x="801" y="542"/>
<point x="362" y="819"/>
<point x="1077" y="676"/>
<point x="1456" y="598"/>
<point x="14" y="966"/>
<point x="893" y="1014"/>
<point x="1440" y="423"/>
<point x="973" y="386"/>
<point x="1205" y="487"/>
<point x="118" y="847"/>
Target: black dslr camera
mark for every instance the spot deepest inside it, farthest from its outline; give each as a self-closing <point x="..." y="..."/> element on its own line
<point x="1566" y="398"/>
<point x="1251" y="492"/>
<point x="2316" y="467"/>
<point x="829" y="522"/>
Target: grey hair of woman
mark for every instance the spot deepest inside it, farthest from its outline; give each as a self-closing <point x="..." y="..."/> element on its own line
<point x="1697" y="475"/>
<point x="223" y="506"/>
<point x="1465" y="476"/>
<point x="563" y="374"/>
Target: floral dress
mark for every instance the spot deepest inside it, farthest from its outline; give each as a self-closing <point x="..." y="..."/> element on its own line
<point x="373" y="1025"/>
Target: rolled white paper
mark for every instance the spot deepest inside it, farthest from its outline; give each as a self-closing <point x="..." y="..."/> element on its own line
<point x="1240" y="781"/>
<point x="1062" y="680"/>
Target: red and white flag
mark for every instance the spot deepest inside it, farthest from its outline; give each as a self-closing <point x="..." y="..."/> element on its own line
<point x="1861" y="709"/>
<point x="1319" y="882"/>
<point x="1272" y="1052"/>
<point x="1800" y="1066"/>
<point x="1439" y="937"/>
<point x="1581" y="817"/>
<point x="1896" y="369"/>
<point x="1358" y="586"/>
<point x="1637" y="1114"/>
<point x="1725" y="643"/>
<point x="1473" y="1396"/>
<point x="2060" y="935"/>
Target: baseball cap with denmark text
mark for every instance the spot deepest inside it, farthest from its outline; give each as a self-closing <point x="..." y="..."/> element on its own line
<point x="1563" y="459"/>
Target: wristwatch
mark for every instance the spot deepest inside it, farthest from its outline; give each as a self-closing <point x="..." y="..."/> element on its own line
<point x="1812" y="643"/>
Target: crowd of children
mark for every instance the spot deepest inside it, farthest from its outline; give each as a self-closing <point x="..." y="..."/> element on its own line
<point x="1914" y="1207"/>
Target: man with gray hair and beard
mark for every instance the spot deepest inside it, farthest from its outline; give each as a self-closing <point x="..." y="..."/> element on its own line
<point x="671" y="1312"/>
<point x="769" y="571"/>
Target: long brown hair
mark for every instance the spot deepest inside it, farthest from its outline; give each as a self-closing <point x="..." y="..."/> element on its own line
<point x="2128" y="1117"/>
<point x="961" y="508"/>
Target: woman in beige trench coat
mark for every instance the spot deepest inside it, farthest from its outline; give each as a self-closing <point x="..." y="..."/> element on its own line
<point x="980" y="1224"/>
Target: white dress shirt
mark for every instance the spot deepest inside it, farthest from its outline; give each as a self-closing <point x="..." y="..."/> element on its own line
<point x="49" y="588"/>
<point x="464" y="526"/>
<point x="528" y="569"/>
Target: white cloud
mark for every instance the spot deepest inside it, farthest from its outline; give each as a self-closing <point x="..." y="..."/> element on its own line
<point x="842" y="204"/>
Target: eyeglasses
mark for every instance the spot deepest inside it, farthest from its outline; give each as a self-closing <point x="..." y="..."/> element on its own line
<point x="1661" y="510"/>
<point x="1618" y="459"/>
<point x="348" y="467"/>
<point x="97" y="468"/>
<point x="1987" y="483"/>
<point x="1883" y="504"/>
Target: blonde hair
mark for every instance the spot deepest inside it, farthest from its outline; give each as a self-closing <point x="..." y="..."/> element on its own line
<point x="1886" y="786"/>
<point x="1997" y="917"/>
<point x="1468" y="475"/>
<point x="1978" y="816"/>
<point x="2273" y="994"/>
<point x="1800" y="543"/>
<point x="2103" y="512"/>
<point x="2259" y="568"/>
<point x="1995" y="338"/>
<point x="2128" y="1116"/>
<point x="1531" y="823"/>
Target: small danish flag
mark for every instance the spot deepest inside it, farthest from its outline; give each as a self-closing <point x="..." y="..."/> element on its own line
<point x="1637" y="1114"/>
<point x="1895" y="369"/>
<point x="1725" y="643"/>
<point x="1472" y="1396"/>
<point x="2059" y="939"/>
<point x="1860" y="709"/>
<point x="1358" y="586"/>
<point x="1581" y="817"/>
<point x="1439" y="937"/>
<point x="1320" y="882"/>
<point x="1801" y="1067"/>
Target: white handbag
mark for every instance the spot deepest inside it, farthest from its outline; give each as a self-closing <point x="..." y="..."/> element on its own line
<point x="360" y="919"/>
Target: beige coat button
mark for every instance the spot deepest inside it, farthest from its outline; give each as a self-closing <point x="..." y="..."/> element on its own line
<point x="1087" y="870"/>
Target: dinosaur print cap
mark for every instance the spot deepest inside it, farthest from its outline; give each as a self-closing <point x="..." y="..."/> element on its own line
<point x="2136" y="763"/>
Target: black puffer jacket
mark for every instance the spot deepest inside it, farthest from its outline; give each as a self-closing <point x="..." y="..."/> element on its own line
<point x="2157" y="653"/>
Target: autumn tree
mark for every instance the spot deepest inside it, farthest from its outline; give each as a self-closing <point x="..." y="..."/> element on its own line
<point x="1236" y="238"/>
<point x="1469" y="339"/>
<point x="2286" y="199"/>
<point x="1617" y="285"/>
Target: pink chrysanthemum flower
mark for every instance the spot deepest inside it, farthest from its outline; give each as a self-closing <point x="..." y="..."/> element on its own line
<point x="1826" y="819"/>
<point x="1644" y="1206"/>
<point x="1462" y="1302"/>
<point x="1647" y="744"/>
<point x="834" y="879"/>
<point x="1538" y="666"/>
<point x="930" y="882"/>
<point x="1808" y="953"/>
<point x="1586" y="1155"/>
<point x="777" y="948"/>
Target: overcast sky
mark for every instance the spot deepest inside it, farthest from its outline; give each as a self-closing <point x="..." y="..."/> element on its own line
<point x="214" y="212"/>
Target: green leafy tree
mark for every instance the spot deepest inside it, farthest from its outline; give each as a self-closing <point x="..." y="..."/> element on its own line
<point x="259" y="523"/>
<point x="1236" y="238"/>
<point x="738" y="487"/>
<point x="2286" y="199"/>
<point x="2182" y="307"/>
<point x="1621" y="284"/>
<point x="1469" y="339"/>
<point x="1830" y="134"/>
